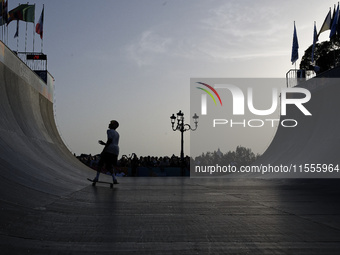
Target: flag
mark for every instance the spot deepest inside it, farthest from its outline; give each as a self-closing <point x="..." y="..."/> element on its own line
<point x="326" y="24"/>
<point x="29" y="13"/>
<point x="295" y="47"/>
<point x="39" y="28"/>
<point x="1" y="6"/>
<point x="23" y="12"/>
<point x="16" y="13"/>
<point x="17" y="32"/>
<point x="335" y="23"/>
<point x="3" y="12"/>
<point x="334" y="10"/>
<point x="315" y="39"/>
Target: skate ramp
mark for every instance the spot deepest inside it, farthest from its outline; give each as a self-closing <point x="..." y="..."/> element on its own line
<point x="316" y="138"/>
<point x="35" y="164"/>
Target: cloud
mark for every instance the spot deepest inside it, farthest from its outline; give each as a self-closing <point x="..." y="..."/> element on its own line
<point x="147" y="47"/>
<point x="241" y="20"/>
<point x="241" y="30"/>
<point x="226" y="32"/>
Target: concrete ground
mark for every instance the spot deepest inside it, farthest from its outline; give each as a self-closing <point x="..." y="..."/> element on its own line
<point x="182" y="216"/>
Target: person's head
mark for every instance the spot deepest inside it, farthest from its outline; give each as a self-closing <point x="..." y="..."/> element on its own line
<point x="113" y="124"/>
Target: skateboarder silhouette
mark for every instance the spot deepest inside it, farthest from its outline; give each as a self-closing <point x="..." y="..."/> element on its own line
<point x="109" y="155"/>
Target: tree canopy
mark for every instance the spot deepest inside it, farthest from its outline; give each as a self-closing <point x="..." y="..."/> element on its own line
<point x="326" y="55"/>
<point x="241" y="157"/>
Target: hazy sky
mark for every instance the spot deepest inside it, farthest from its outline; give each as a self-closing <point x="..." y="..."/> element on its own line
<point x="132" y="60"/>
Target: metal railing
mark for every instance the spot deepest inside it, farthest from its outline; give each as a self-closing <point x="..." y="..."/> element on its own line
<point x="36" y="61"/>
<point x="296" y="76"/>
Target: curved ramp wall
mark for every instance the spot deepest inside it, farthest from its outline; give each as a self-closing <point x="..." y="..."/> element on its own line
<point x="35" y="165"/>
<point x="316" y="138"/>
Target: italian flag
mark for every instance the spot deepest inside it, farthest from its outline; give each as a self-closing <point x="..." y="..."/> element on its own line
<point x="40" y="25"/>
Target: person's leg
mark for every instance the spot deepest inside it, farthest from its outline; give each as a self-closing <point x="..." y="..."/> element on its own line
<point x="114" y="165"/>
<point x="110" y="163"/>
<point x="100" y="165"/>
<point x="97" y="176"/>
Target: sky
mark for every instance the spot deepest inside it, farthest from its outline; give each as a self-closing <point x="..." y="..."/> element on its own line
<point x="132" y="60"/>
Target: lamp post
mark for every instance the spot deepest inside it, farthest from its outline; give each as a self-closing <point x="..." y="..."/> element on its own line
<point x="182" y="128"/>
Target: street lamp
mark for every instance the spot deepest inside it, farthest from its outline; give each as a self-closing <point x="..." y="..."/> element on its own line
<point x="182" y="128"/>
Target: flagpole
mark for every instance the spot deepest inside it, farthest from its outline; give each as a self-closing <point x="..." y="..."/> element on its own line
<point x="26" y="35"/>
<point x="26" y="38"/>
<point x="17" y="33"/>
<point x="42" y="39"/>
<point x="34" y="29"/>
<point x="33" y="36"/>
<point x="5" y="27"/>
<point x="18" y="36"/>
<point x="295" y="60"/>
<point x="2" y="21"/>
<point x="295" y="51"/>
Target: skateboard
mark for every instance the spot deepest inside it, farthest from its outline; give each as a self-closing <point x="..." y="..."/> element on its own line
<point x="94" y="183"/>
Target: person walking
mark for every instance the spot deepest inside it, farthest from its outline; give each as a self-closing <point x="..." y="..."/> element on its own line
<point x="109" y="155"/>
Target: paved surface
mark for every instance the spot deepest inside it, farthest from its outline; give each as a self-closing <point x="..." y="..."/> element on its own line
<point x="181" y="216"/>
<point x="48" y="207"/>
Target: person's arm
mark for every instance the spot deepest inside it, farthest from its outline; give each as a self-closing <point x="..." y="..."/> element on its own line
<point x="109" y="140"/>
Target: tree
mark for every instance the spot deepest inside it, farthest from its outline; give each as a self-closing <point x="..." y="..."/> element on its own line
<point x="244" y="156"/>
<point x="241" y="156"/>
<point x="326" y="55"/>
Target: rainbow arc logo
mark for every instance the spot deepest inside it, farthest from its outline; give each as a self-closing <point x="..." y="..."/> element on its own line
<point x="204" y="97"/>
<point x="209" y="93"/>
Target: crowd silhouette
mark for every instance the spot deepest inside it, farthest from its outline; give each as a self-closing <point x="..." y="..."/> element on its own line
<point x="133" y="161"/>
<point x="133" y="164"/>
